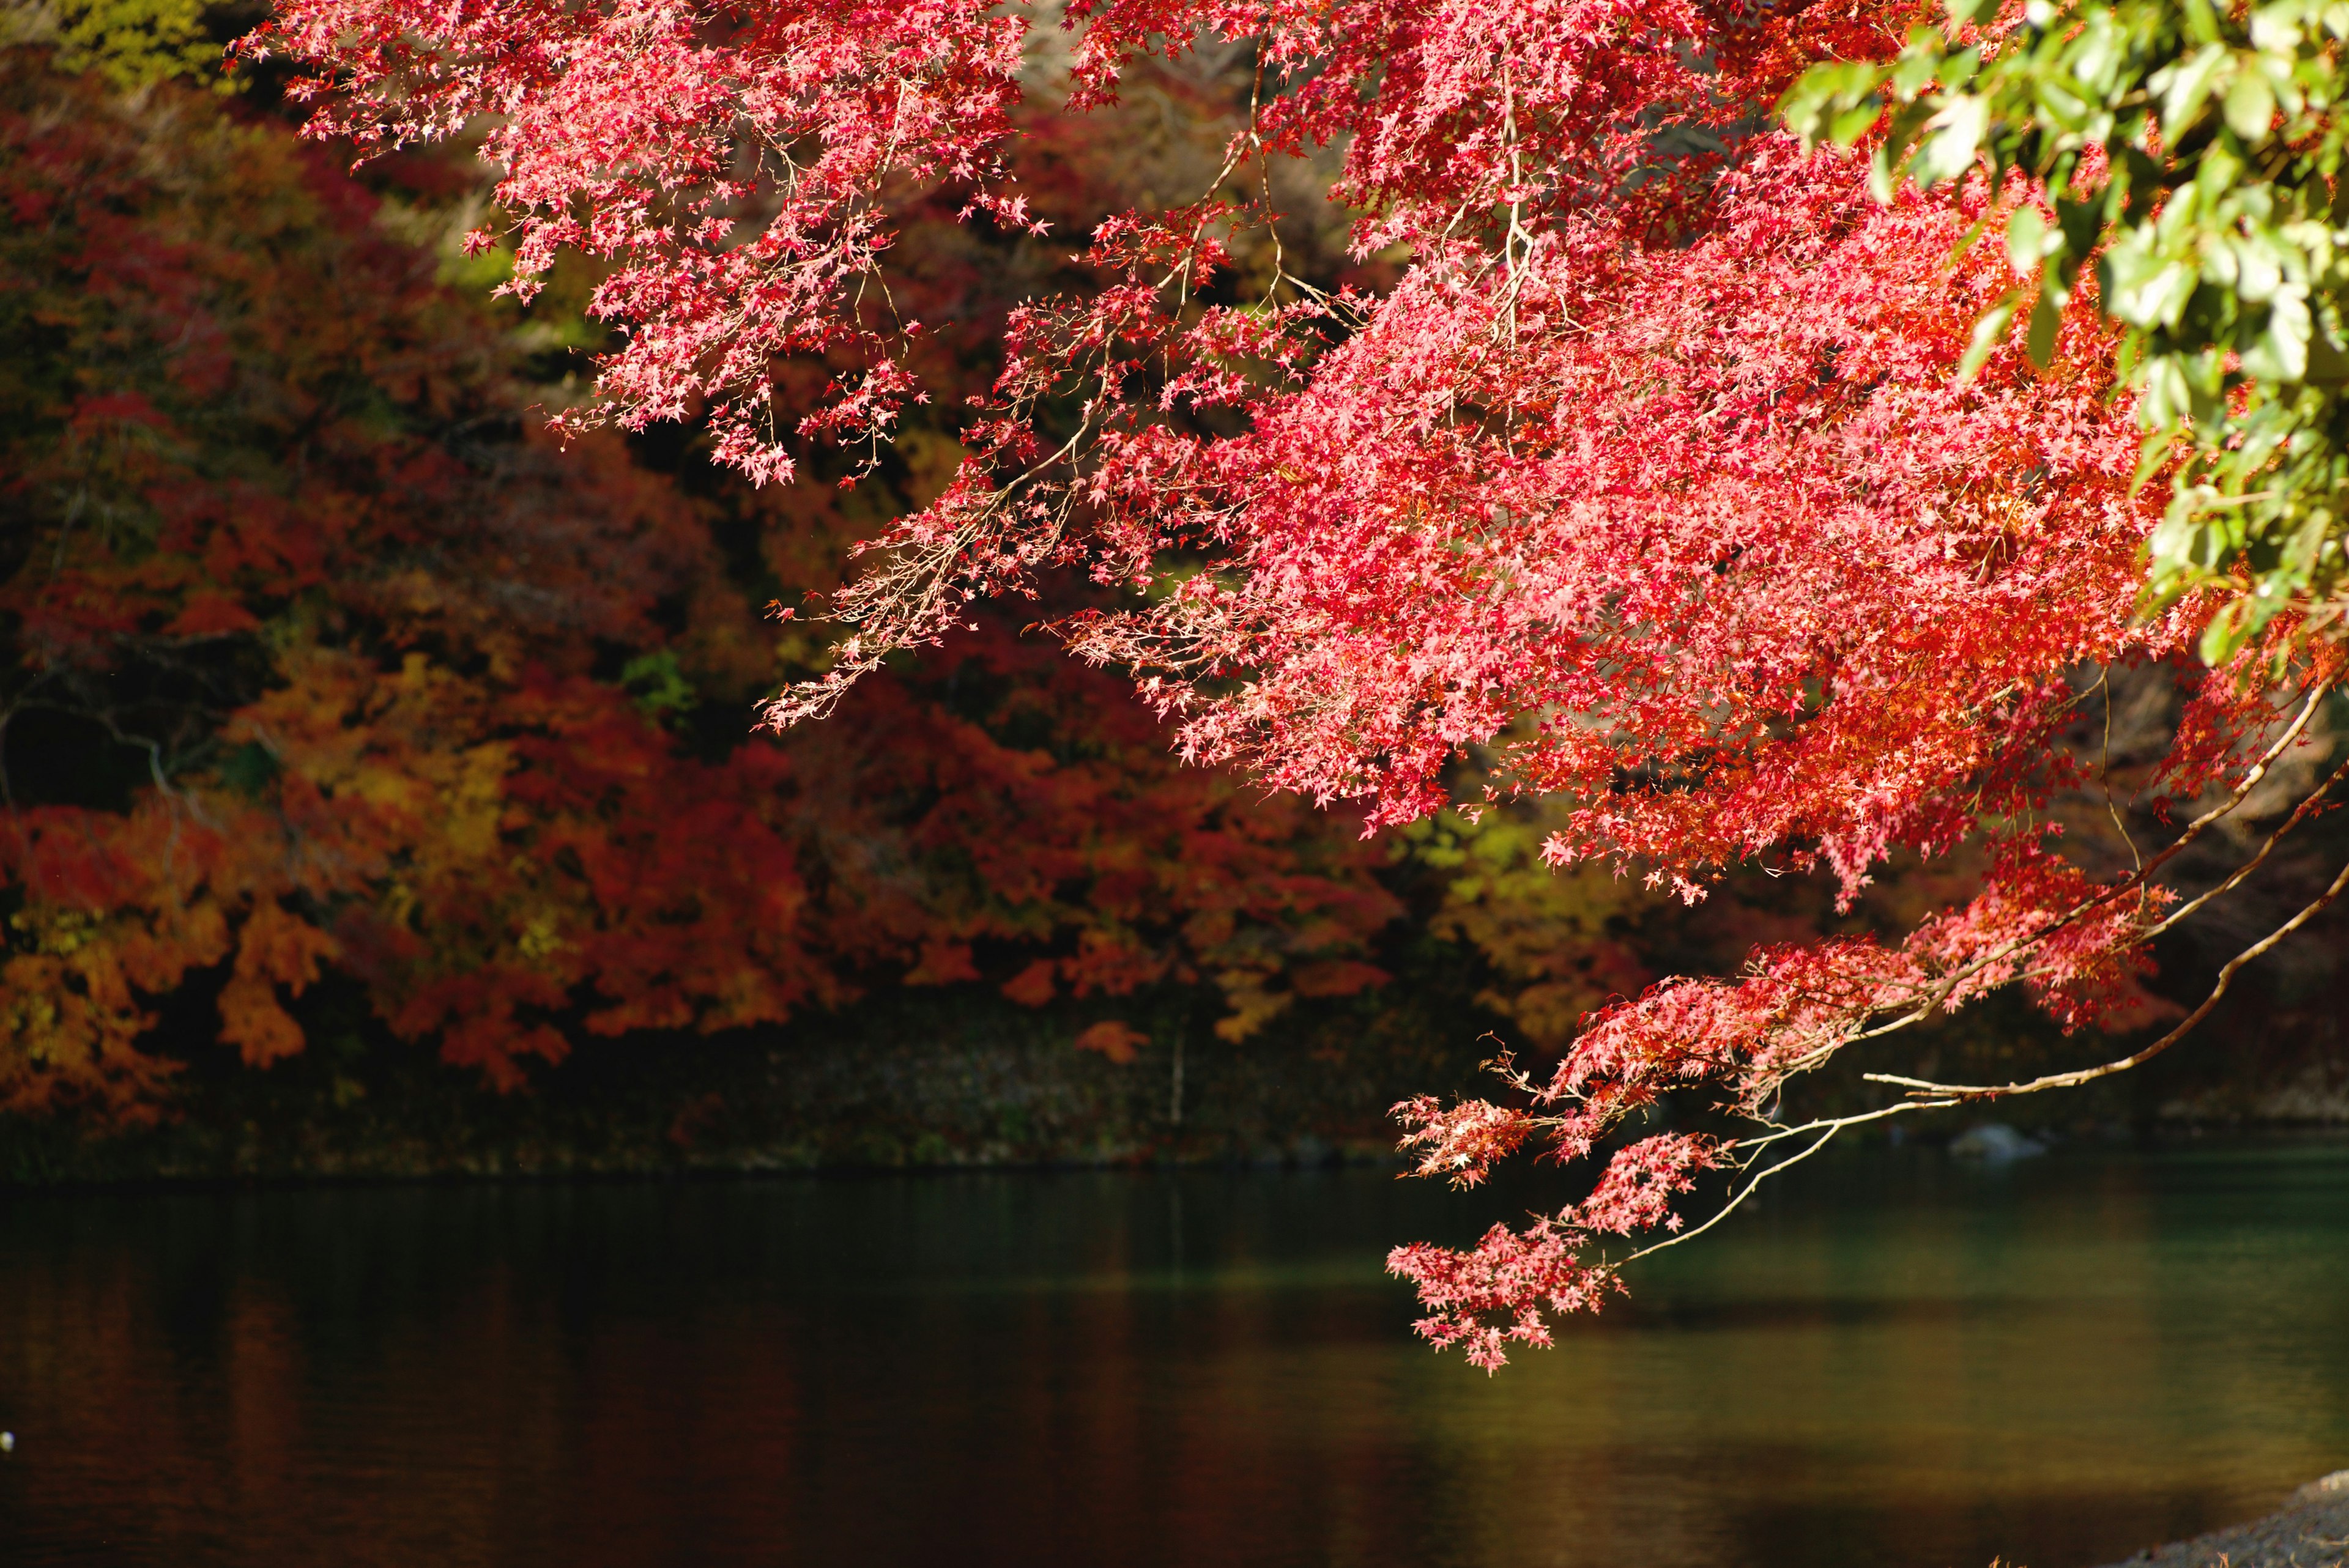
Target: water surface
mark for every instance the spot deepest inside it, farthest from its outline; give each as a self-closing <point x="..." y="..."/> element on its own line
<point x="1897" y="1360"/>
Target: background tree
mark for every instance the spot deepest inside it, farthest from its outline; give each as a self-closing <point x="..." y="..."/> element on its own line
<point x="323" y="659"/>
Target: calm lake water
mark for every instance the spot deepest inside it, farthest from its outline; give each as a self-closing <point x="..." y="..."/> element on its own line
<point x="1897" y="1360"/>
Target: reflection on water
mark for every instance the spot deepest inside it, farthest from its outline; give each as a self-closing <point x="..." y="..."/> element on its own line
<point x="1898" y="1361"/>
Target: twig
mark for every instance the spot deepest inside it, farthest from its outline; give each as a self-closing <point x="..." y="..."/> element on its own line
<point x="2089" y="1075"/>
<point x="1731" y="1207"/>
<point x="2236" y="880"/>
<point x="1826" y="1131"/>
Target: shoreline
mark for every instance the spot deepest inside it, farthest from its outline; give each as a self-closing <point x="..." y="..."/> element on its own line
<point x="75" y="1167"/>
<point x="2309" y="1531"/>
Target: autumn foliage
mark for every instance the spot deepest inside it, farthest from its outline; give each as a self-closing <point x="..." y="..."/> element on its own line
<point x="325" y="659"/>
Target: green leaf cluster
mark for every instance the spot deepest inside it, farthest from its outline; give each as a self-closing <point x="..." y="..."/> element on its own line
<point x="657" y="683"/>
<point x="2193" y="155"/>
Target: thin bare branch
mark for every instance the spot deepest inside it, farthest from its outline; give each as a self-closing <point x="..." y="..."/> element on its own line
<point x="2242" y="873"/>
<point x="2089" y="1075"/>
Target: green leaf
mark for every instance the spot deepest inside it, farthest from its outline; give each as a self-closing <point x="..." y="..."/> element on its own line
<point x="1989" y="332"/>
<point x="1824" y="98"/>
<point x="2166" y="395"/>
<point x="2026" y="239"/>
<point x="2235" y="623"/>
<point x="2221" y="638"/>
<point x="2145" y="288"/>
<point x="1919" y="63"/>
<point x="1853" y="122"/>
<point x="2187" y="84"/>
<point x="2045" y="317"/>
<point x="2096" y="54"/>
<point x="2171" y="546"/>
<point x="1957" y="131"/>
<point x="136" y="43"/>
<point x="1881" y="182"/>
<point x="2281" y="352"/>
<point x="2251" y="107"/>
<point x="2258" y="268"/>
<point x="2328" y="361"/>
<point x="2305" y="554"/>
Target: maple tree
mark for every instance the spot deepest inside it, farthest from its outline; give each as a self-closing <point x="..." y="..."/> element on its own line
<point x="320" y="659"/>
<point x="1722" y="502"/>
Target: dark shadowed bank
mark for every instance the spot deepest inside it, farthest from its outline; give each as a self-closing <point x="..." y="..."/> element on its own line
<point x="2311" y="1531"/>
<point x="918" y="1079"/>
<point x="908" y="1081"/>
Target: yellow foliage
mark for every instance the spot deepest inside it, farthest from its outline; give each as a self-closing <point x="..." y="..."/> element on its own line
<point x="134" y="43"/>
<point x="1549" y="935"/>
